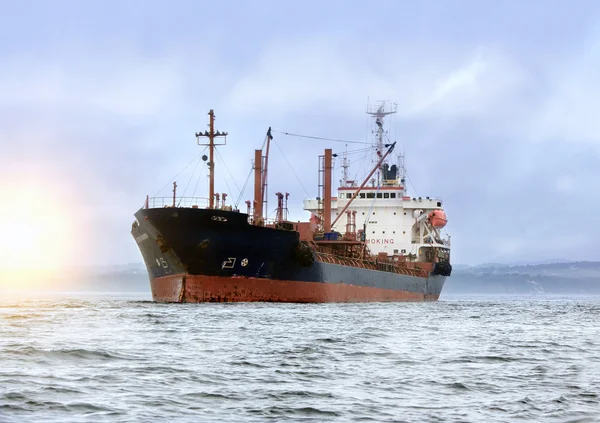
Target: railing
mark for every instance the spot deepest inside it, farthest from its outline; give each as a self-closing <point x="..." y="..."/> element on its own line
<point x="186" y="202"/>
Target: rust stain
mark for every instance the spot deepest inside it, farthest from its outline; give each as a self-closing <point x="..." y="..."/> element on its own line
<point x="194" y="288"/>
<point x="384" y="266"/>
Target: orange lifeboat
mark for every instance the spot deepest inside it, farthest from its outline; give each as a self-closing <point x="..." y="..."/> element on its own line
<point x="437" y="218"/>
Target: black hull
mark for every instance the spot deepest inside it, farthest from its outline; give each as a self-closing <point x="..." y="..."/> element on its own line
<point x="221" y="244"/>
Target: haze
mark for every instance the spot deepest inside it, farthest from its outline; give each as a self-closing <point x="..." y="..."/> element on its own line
<point x="497" y="114"/>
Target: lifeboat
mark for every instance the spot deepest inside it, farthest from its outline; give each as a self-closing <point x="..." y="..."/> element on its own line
<point x="437" y="218"/>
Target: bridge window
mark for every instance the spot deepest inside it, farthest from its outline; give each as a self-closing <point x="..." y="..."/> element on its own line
<point x="370" y="195"/>
<point x="362" y="195"/>
<point x="379" y="195"/>
<point x="348" y="195"/>
<point x="386" y="195"/>
<point x="392" y="195"/>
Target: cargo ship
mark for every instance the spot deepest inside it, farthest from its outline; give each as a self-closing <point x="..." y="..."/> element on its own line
<point x="370" y="242"/>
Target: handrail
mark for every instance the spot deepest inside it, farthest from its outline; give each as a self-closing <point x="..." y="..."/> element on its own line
<point x="181" y="202"/>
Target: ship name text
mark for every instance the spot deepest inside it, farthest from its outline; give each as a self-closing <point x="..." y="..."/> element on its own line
<point x="380" y="241"/>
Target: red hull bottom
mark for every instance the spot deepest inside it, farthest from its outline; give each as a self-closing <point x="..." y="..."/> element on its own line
<point x="195" y="289"/>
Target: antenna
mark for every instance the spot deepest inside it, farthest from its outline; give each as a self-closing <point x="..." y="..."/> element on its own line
<point x="379" y="111"/>
<point x="345" y="166"/>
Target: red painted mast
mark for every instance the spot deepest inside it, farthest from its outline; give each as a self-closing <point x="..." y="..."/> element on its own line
<point x="211" y="135"/>
<point x="211" y="163"/>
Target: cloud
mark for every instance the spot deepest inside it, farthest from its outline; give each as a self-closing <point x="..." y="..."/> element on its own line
<point x="121" y="83"/>
<point x="324" y="72"/>
<point x="483" y="128"/>
<point x="571" y="110"/>
<point x="503" y="132"/>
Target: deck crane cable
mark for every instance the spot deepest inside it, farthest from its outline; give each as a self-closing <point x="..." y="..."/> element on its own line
<point x="244" y="187"/>
<point x="248" y="177"/>
<point x="188" y="183"/>
<point x="319" y="138"/>
<point x="179" y="173"/>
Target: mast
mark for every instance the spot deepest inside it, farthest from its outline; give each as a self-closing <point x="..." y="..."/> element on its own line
<point x="345" y="166"/>
<point x="174" y="192"/>
<point x="211" y="163"/>
<point x="379" y="112"/>
<point x="211" y="135"/>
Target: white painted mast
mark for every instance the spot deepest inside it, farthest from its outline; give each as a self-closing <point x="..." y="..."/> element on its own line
<point x="379" y="111"/>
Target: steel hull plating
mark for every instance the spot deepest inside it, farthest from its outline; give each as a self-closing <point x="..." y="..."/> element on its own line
<point x="195" y="289"/>
<point x="215" y="256"/>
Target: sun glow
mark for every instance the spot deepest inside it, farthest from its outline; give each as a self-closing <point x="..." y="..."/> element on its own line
<point x="35" y="234"/>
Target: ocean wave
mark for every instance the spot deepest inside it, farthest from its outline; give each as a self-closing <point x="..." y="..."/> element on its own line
<point x="124" y="360"/>
<point x="68" y="353"/>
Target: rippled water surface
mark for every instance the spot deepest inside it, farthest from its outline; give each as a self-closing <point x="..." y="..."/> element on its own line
<point x="84" y="357"/>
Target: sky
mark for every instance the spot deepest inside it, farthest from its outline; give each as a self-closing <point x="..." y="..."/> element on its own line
<point x="100" y="101"/>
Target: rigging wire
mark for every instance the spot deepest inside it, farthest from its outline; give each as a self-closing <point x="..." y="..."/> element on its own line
<point x="197" y="182"/>
<point x="292" y="169"/>
<point x="413" y="185"/>
<point x="244" y="187"/>
<point x="188" y="184"/>
<point x="358" y="150"/>
<point x="227" y="169"/>
<point x="371" y="207"/>
<point x="172" y="179"/>
<point x="360" y="167"/>
<point x="319" y="138"/>
<point x="225" y="179"/>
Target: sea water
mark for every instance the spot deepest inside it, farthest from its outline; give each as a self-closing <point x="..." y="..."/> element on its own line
<point x="123" y="358"/>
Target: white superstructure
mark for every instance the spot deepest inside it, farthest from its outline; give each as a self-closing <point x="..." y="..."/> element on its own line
<point x="393" y="222"/>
